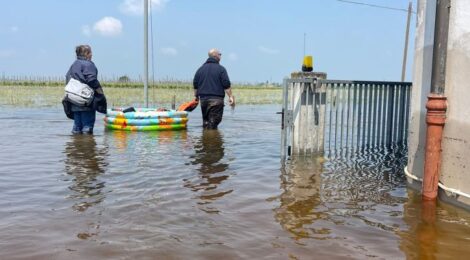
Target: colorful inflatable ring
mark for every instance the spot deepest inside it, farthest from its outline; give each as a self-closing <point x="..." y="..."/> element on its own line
<point x="145" y="127"/>
<point x="147" y="121"/>
<point x="152" y="114"/>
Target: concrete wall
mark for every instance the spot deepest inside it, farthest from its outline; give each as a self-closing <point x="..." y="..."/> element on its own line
<point x="455" y="167"/>
<point x="421" y="87"/>
<point x="455" y="170"/>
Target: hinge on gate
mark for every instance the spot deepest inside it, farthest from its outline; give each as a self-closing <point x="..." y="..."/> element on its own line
<point x="282" y="118"/>
<point x="289" y="117"/>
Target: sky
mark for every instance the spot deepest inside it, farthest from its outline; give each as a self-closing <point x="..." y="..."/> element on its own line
<point x="260" y="40"/>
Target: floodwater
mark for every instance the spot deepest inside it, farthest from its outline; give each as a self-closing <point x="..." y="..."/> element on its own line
<point x="206" y="195"/>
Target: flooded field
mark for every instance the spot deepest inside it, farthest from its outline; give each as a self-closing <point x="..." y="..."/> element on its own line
<point x="206" y="195"/>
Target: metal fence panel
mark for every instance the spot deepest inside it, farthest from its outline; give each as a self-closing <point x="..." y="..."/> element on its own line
<point x="335" y="116"/>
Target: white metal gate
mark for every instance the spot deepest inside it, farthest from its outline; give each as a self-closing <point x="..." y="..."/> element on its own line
<point x="326" y="116"/>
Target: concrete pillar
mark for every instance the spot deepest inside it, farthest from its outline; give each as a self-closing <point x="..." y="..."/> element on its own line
<point x="308" y="113"/>
<point x="421" y="87"/>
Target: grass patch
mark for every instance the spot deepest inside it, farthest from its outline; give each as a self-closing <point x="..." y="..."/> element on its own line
<point x="47" y="94"/>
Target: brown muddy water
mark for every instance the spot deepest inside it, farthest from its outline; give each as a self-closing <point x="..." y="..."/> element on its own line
<point x="206" y="195"/>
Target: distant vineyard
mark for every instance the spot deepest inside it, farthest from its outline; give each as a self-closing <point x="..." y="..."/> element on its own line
<point x="118" y="82"/>
<point x="48" y="91"/>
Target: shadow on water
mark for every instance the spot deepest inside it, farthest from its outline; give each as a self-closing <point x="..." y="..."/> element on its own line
<point x="85" y="162"/>
<point x="212" y="170"/>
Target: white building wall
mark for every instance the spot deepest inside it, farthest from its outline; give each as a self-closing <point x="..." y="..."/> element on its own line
<point x="455" y="169"/>
<point x="421" y="87"/>
<point x="455" y="164"/>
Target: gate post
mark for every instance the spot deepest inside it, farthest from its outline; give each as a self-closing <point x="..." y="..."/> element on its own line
<point x="284" y="125"/>
<point x="308" y="108"/>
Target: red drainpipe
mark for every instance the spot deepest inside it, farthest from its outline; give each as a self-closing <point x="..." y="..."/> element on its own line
<point x="435" y="119"/>
<point x="437" y="102"/>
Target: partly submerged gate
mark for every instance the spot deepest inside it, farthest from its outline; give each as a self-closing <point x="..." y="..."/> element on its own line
<point x="335" y="115"/>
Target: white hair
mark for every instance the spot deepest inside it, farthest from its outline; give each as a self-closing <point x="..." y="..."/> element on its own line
<point x="213" y="53"/>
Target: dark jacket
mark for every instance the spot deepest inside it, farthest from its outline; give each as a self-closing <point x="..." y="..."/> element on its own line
<point x="86" y="72"/>
<point x="211" y="80"/>
<point x="100" y="104"/>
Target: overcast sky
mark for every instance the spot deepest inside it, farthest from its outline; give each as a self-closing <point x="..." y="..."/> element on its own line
<point x="261" y="40"/>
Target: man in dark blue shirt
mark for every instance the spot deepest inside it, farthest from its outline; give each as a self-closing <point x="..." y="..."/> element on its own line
<point x="211" y="83"/>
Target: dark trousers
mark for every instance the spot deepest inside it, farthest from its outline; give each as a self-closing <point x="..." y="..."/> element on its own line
<point x="212" y="112"/>
<point x="83" y="122"/>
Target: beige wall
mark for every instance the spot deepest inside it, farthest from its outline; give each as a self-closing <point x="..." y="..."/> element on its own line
<point x="455" y="167"/>
<point x="455" y="170"/>
<point x="421" y="87"/>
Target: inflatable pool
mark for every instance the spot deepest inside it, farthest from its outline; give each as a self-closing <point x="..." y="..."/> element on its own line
<point x="145" y="119"/>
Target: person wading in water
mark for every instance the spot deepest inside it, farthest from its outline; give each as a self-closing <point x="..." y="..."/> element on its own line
<point x="85" y="71"/>
<point x="211" y="83"/>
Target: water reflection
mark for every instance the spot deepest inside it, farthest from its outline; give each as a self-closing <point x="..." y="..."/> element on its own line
<point x="85" y="162"/>
<point x="209" y="152"/>
<point x="301" y="184"/>
<point x="120" y="138"/>
<point x="124" y="141"/>
<point x="350" y="191"/>
<point x="435" y="230"/>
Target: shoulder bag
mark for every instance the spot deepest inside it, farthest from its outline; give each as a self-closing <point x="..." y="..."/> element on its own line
<point x="78" y="93"/>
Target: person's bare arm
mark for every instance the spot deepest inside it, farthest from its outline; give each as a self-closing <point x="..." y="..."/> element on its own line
<point x="231" y="98"/>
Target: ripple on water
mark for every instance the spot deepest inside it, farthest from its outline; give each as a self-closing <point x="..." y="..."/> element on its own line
<point x="206" y="194"/>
